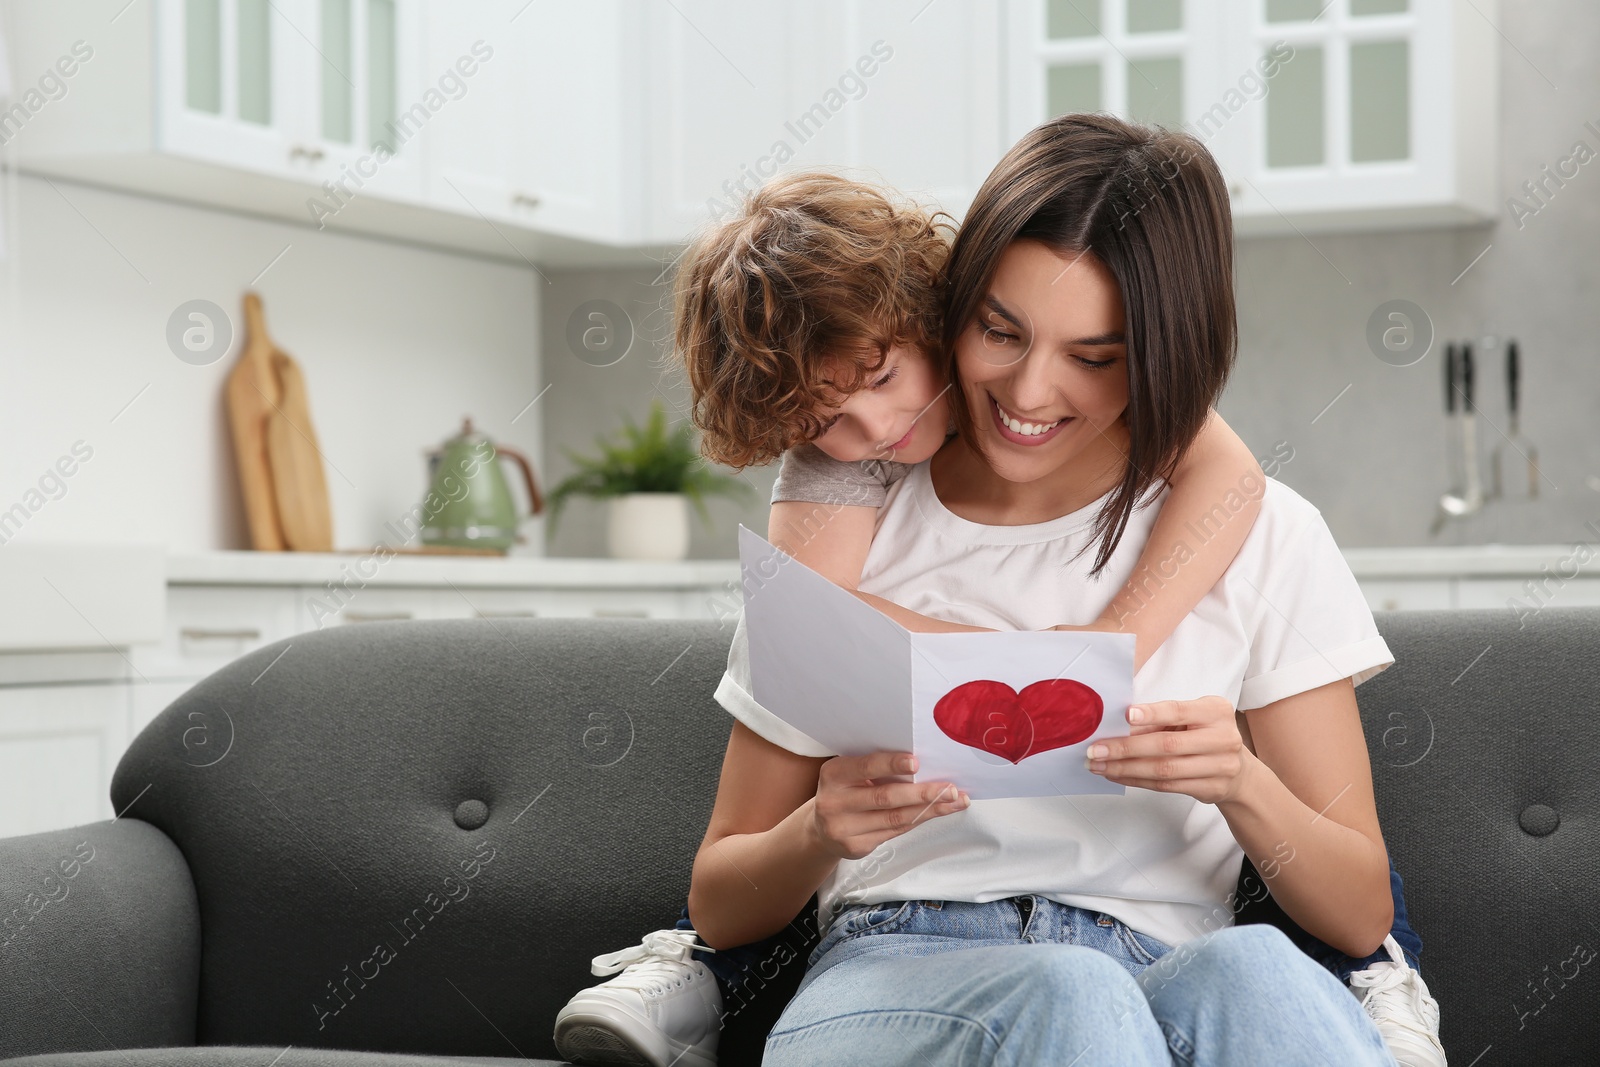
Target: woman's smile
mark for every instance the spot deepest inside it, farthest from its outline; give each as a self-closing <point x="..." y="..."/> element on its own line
<point x="1021" y="431"/>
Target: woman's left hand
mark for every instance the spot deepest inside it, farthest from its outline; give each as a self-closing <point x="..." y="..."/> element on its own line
<point x="1177" y="746"/>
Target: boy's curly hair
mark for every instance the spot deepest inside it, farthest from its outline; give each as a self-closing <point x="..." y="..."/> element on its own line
<point x="789" y="306"/>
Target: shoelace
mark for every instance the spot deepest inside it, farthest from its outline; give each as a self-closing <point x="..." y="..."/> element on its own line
<point x="658" y="961"/>
<point x="1389" y="994"/>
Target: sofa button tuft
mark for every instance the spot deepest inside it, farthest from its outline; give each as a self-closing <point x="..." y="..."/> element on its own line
<point x="1539" y="820"/>
<point x="471" y="814"/>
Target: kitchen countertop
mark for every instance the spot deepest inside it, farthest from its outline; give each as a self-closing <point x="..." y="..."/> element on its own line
<point x="1471" y="561"/>
<point x="315" y="568"/>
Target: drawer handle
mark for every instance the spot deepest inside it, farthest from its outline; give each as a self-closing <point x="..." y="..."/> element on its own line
<point x="383" y="616"/>
<point x="620" y="613"/>
<point x="525" y="200"/>
<point x="508" y="614"/>
<point x="196" y="633"/>
<point x="313" y="154"/>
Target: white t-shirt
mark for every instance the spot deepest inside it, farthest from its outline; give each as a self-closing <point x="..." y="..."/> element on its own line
<point x="1286" y="617"/>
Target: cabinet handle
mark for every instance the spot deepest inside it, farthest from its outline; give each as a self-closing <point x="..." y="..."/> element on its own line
<point x="196" y="633"/>
<point x="508" y="614"/>
<point x="301" y="151"/>
<point x="525" y="200"/>
<point x="376" y="616"/>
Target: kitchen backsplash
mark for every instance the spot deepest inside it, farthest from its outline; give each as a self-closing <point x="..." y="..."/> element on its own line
<point x="397" y="342"/>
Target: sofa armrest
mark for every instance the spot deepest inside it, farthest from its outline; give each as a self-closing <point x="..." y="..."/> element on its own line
<point x="99" y="940"/>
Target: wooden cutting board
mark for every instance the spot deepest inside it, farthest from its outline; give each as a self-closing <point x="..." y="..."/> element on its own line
<point x="299" y="484"/>
<point x="280" y="468"/>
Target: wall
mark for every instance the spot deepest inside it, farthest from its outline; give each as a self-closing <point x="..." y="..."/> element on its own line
<point x="1374" y="461"/>
<point x="586" y="401"/>
<point x="396" y="342"/>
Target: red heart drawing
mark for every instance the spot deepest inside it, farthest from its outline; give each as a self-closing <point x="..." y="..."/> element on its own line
<point x="997" y="719"/>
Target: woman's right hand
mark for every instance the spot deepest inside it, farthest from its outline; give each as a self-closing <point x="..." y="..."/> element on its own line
<point x="857" y="809"/>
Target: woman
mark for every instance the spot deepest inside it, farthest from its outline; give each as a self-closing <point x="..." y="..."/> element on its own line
<point x="1090" y="287"/>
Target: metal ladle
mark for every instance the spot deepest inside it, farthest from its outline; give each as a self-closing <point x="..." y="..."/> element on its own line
<point x="1467" y="496"/>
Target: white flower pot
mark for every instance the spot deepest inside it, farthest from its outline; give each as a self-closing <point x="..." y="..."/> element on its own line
<point x="648" y="526"/>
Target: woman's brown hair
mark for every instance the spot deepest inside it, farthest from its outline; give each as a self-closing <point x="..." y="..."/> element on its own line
<point x="787" y="307"/>
<point x="1151" y="205"/>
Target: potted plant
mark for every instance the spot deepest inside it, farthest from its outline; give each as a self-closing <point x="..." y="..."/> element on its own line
<point x="649" y="478"/>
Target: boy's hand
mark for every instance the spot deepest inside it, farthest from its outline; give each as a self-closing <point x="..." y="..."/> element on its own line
<point x="859" y="806"/>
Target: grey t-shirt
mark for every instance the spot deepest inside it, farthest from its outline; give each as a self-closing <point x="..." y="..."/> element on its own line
<point x="809" y="474"/>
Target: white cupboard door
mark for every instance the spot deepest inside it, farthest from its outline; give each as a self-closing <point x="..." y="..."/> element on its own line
<point x="537" y="138"/>
<point x="469" y="141"/>
<point x="717" y="108"/>
<point x="58" y="748"/>
<point x="228" y="92"/>
<point x="365" y="101"/>
<point x="574" y="152"/>
<point x="902" y="92"/>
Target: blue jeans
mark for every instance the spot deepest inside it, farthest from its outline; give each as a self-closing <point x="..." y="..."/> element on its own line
<point x="1026" y="980"/>
<point x="734" y="967"/>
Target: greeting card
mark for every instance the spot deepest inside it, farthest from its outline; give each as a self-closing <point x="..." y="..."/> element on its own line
<point x="1005" y="714"/>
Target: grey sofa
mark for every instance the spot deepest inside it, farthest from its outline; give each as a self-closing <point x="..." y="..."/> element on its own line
<point x="402" y="842"/>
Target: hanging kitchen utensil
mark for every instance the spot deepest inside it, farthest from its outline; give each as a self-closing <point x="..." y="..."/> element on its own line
<point x="1471" y="471"/>
<point x="1453" y="501"/>
<point x="469" y="502"/>
<point x="1522" y="446"/>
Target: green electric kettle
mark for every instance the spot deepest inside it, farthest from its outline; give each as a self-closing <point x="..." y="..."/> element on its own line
<point x="469" y="503"/>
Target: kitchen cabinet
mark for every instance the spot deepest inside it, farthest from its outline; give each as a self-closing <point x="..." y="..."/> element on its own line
<point x="59" y="745"/>
<point x="208" y="626"/>
<point x="571" y="134"/>
<point x="716" y="120"/>
<point x="240" y="103"/>
<point x="352" y="115"/>
<point x="1401" y="594"/>
<point x="224" y="85"/>
<point x="1322" y="114"/>
<point x="309" y="90"/>
<point x="918" y="93"/>
<point x="536" y="137"/>
<point x="893" y="91"/>
<point x="1514" y="594"/>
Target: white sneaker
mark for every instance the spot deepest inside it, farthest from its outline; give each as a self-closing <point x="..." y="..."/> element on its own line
<point x="663" y="1010"/>
<point x="1397" y="999"/>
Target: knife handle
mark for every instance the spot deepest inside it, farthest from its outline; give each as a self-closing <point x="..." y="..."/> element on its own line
<point x="1450" y="378"/>
<point x="1513" y="376"/>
